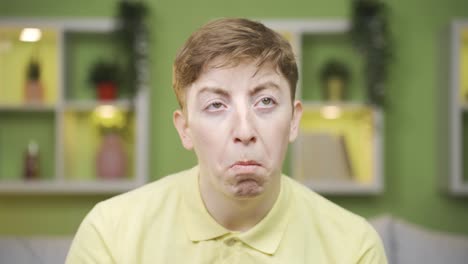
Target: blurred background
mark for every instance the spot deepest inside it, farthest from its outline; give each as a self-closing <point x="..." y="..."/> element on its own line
<point x="403" y="141"/>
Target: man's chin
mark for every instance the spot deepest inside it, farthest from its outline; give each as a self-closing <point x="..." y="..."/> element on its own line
<point x="248" y="189"/>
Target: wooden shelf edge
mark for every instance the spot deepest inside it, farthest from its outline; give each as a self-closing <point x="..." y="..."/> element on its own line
<point x="68" y="188"/>
<point x="345" y="188"/>
<point x="89" y="105"/>
<point x="461" y="189"/>
<point x="26" y="108"/>
<point x="464" y="107"/>
<point x="345" y="105"/>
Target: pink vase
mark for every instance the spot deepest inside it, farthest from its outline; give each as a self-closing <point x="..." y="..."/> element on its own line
<point x="111" y="159"/>
<point x="33" y="91"/>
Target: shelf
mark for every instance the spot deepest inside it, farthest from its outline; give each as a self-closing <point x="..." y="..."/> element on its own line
<point x="89" y="105"/>
<point x="82" y="139"/>
<point x="26" y="108"/>
<point x="344" y="188"/>
<point x="15" y="59"/>
<point x="460" y="189"/>
<point x="339" y="150"/>
<point x="17" y="129"/>
<point x="457" y="181"/>
<point x="353" y="128"/>
<point x="82" y="51"/>
<point x="347" y="105"/>
<point x="464" y="107"/>
<point x="49" y="187"/>
<point x="67" y="124"/>
<point x="321" y="49"/>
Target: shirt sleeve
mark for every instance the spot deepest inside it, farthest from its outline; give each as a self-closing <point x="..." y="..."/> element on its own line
<point x="91" y="243"/>
<point x="373" y="250"/>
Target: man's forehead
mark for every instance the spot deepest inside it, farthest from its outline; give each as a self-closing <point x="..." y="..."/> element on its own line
<point x="226" y="63"/>
<point x="214" y="74"/>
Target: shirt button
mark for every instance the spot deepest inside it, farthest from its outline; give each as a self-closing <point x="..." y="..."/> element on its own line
<point x="230" y="241"/>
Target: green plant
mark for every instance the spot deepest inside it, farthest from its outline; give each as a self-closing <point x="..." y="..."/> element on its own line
<point x="34" y="70"/>
<point x="334" y="69"/>
<point x="104" y="71"/>
<point x="334" y="76"/>
<point x="371" y="37"/>
<point x="132" y="36"/>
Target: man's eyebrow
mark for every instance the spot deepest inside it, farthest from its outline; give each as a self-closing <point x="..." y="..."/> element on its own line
<point x="215" y="90"/>
<point x="264" y="86"/>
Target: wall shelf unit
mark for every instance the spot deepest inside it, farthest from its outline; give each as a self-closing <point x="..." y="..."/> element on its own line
<point x="340" y="154"/>
<point x="61" y="123"/>
<point x="457" y="182"/>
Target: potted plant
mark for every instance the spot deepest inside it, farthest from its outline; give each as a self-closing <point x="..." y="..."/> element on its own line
<point x="104" y="76"/>
<point x="33" y="90"/>
<point x="335" y="78"/>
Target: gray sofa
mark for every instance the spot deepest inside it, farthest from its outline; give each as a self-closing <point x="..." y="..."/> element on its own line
<point x="404" y="243"/>
<point x="37" y="250"/>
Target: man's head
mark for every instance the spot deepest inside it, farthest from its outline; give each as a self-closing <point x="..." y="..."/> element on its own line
<point x="238" y="109"/>
<point x="234" y="40"/>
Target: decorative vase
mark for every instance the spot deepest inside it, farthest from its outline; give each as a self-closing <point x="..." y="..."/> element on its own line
<point x="335" y="76"/>
<point x="111" y="159"/>
<point x="33" y="92"/>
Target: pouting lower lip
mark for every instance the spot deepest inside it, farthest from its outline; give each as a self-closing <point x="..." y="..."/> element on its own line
<point x="244" y="169"/>
<point x="246" y="163"/>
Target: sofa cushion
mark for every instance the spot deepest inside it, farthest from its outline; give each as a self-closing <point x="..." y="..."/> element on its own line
<point x="25" y="250"/>
<point x="407" y="243"/>
<point x="418" y="245"/>
<point x="384" y="227"/>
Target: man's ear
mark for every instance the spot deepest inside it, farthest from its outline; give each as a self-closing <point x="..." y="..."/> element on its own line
<point x="295" y="121"/>
<point x="181" y="124"/>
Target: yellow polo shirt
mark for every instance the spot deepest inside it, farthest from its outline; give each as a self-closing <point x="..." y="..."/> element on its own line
<point x="166" y="222"/>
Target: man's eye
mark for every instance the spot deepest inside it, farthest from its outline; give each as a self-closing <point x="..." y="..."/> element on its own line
<point x="216" y="105"/>
<point x="267" y="101"/>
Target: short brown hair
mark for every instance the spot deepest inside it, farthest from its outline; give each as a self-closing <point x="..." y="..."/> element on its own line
<point x="235" y="40"/>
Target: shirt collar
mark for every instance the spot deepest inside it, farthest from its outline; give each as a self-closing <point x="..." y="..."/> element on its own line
<point x="267" y="234"/>
<point x="264" y="236"/>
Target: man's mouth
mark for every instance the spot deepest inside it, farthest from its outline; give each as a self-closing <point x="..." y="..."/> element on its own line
<point x="245" y="167"/>
<point x="246" y="163"/>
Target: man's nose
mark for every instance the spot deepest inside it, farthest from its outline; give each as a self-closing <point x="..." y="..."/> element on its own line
<point x="244" y="128"/>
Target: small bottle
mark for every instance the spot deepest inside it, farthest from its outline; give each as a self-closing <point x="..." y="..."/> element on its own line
<point x="31" y="161"/>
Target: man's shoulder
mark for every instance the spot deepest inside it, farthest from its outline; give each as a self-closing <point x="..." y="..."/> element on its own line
<point x="334" y="226"/>
<point x="324" y="212"/>
<point x="154" y="194"/>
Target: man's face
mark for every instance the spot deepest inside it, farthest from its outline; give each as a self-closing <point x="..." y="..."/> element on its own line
<point x="239" y="120"/>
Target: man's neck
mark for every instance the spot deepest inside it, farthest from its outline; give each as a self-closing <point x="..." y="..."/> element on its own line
<point x="239" y="214"/>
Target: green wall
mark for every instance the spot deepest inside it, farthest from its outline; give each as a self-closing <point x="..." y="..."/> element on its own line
<point x="414" y="160"/>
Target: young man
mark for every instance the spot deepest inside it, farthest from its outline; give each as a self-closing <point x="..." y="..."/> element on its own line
<point x="235" y="82"/>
